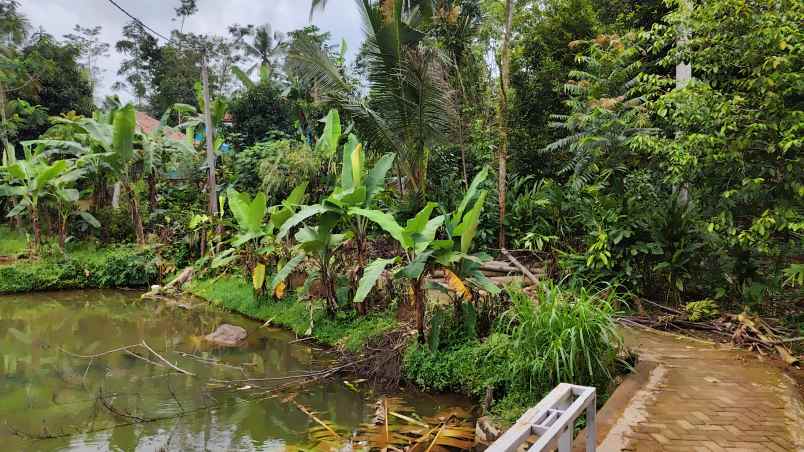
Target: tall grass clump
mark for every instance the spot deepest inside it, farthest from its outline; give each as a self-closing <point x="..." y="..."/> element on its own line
<point x="559" y="335"/>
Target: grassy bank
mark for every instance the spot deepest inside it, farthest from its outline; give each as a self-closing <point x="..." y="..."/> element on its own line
<point x="567" y="336"/>
<point x="305" y="319"/>
<point x="559" y="334"/>
<point x="83" y="267"/>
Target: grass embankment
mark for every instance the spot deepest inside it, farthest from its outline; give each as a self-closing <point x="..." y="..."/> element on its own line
<point x="83" y="267"/>
<point x="568" y="336"/>
<point x="561" y="334"/>
<point x="346" y="330"/>
<point x="12" y="243"/>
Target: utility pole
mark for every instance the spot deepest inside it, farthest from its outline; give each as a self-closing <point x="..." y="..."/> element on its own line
<point x="210" y="136"/>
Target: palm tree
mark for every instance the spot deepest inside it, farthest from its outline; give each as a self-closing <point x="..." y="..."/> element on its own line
<point x="408" y="106"/>
<point x="266" y="46"/>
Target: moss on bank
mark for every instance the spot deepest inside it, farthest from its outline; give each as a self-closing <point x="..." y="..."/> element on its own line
<point x="82" y="268"/>
<point x="346" y="330"/>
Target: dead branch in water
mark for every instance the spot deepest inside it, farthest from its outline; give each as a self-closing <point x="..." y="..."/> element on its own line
<point x="144" y="344"/>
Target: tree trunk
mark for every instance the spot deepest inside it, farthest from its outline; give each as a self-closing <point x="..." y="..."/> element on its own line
<point x="136" y="218"/>
<point x="502" y="117"/>
<point x="418" y="301"/>
<point x="210" y="137"/>
<point x="62" y="232"/>
<point x="61" y="218"/>
<point x="3" y="118"/>
<point x="360" y="244"/>
<point x="36" y="227"/>
<point x="152" y="201"/>
<point x="116" y="196"/>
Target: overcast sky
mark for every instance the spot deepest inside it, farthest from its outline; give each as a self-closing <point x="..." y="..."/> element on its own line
<point x="58" y="17"/>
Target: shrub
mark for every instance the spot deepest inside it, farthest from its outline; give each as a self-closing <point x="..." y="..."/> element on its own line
<point x="561" y="335"/>
<point x="116" y="226"/>
<point x="121" y="266"/>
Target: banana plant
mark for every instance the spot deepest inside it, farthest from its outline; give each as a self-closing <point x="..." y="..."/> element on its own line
<point x="30" y="182"/>
<point x="66" y="198"/>
<point x="255" y="246"/>
<point x="322" y="244"/>
<point x="157" y="149"/>
<point x="357" y="187"/>
<point x="115" y="135"/>
<point x="425" y="253"/>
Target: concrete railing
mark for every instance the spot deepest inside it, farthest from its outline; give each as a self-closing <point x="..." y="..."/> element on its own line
<point x="552" y="421"/>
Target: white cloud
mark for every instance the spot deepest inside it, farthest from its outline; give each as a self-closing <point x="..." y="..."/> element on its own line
<point x="58" y="17"/>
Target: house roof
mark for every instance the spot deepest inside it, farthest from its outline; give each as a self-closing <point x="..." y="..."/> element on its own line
<point x="147" y="124"/>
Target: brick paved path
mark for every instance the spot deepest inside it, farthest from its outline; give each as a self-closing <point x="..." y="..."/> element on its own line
<point x="700" y="397"/>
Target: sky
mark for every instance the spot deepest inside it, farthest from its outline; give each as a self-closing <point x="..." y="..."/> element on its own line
<point x="58" y="17"/>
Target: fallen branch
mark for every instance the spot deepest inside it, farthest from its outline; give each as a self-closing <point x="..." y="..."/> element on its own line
<point x="766" y="337"/>
<point x="98" y="355"/>
<point x="521" y="267"/>
<point x="144" y="344"/>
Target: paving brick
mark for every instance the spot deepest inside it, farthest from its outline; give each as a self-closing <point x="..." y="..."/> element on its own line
<point x="712" y="400"/>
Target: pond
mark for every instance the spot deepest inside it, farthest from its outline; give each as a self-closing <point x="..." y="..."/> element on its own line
<point x="53" y="399"/>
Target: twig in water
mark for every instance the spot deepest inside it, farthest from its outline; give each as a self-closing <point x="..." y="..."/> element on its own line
<point x="98" y="355"/>
<point x="145" y="344"/>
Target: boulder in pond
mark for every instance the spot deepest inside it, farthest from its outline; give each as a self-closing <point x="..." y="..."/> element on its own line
<point x="227" y="335"/>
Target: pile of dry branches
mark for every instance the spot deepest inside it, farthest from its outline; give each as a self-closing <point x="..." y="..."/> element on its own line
<point x="741" y="329"/>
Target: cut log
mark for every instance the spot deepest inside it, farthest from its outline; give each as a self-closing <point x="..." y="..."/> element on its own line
<point x="499" y="267"/>
<point x="521" y="267"/>
<point x="184" y="277"/>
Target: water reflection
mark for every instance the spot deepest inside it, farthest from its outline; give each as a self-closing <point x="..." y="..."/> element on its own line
<point x="49" y="399"/>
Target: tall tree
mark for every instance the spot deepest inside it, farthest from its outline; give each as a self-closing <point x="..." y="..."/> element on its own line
<point x="410" y="105"/>
<point x="90" y="46"/>
<point x="61" y="84"/>
<point x="142" y="50"/>
<point x="261" y="43"/>
<point x="185" y="9"/>
<point x="502" y="115"/>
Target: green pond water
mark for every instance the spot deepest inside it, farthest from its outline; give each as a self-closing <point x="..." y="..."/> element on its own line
<point x="51" y="399"/>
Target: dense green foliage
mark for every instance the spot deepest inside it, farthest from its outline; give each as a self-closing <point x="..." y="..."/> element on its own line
<point x="83" y="268"/>
<point x="561" y="334"/>
<point x="258" y="110"/>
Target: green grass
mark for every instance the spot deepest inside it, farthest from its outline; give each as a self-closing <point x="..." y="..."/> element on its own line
<point x="83" y="267"/>
<point x="568" y="336"/>
<point x="346" y="330"/>
<point x="12" y="243"/>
